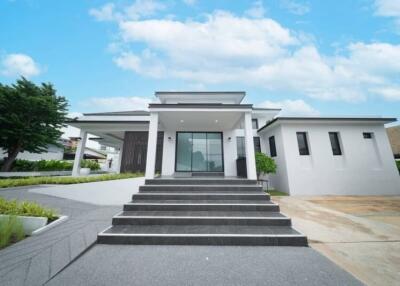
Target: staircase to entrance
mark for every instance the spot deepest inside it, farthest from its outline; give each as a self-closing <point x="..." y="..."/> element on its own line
<point x="201" y="211"/>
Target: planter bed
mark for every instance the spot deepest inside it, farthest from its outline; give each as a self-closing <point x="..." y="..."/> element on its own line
<point x="35" y="225"/>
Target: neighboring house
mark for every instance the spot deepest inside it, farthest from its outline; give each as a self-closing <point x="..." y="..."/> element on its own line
<point x="209" y="133"/>
<point x="52" y="153"/>
<point x="394" y="139"/>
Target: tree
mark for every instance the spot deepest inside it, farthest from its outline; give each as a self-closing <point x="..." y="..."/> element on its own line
<point x="264" y="164"/>
<point x="31" y="118"/>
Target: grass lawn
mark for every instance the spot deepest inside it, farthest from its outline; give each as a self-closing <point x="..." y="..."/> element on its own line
<point x="276" y="193"/>
<point x="12" y="182"/>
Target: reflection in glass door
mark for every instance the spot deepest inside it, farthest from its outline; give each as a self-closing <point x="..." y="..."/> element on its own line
<point x="199" y="152"/>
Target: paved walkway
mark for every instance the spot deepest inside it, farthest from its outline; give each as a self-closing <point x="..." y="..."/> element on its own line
<point x="34" y="260"/>
<point x="121" y="265"/>
<point x="114" y="192"/>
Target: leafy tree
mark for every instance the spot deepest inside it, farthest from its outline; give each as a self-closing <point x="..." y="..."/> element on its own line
<point x="264" y="164"/>
<point x="31" y="117"/>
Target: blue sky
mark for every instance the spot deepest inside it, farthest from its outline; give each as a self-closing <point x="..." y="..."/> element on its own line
<point x="308" y="57"/>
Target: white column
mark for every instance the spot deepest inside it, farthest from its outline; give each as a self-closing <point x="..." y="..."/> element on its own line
<point x="152" y="146"/>
<point x="250" y="154"/>
<point x="120" y="158"/>
<point x="80" y="150"/>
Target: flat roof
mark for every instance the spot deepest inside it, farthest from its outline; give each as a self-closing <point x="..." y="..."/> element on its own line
<point x="206" y="96"/>
<point x="120" y="113"/>
<point x="200" y="105"/>
<point x="371" y="119"/>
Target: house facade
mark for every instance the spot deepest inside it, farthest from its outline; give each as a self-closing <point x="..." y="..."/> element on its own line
<point x="216" y="134"/>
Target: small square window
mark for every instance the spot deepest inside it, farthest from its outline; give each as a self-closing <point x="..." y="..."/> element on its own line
<point x="367" y="135"/>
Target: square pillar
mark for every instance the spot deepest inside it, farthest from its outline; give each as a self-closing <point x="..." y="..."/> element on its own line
<point x="249" y="144"/>
<point x="120" y="158"/>
<point x="152" y="146"/>
<point x="80" y="151"/>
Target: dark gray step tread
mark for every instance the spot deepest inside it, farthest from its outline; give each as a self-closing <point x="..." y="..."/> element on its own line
<point x="189" y="214"/>
<point x="204" y="186"/>
<point x="200" y="181"/>
<point x="209" y="230"/>
<point x="207" y="202"/>
<point x="217" y="192"/>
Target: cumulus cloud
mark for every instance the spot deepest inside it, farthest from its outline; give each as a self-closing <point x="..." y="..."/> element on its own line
<point x="257" y="10"/>
<point x="224" y="48"/>
<point x="387" y="8"/>
<point x="389" y="93"/>
<point x="190" y="2"/>
<point x="295" y="7"/>
<point x="291" y="107"/>
<point x="138" y="9"/>
<point x="117" y="103"/>
<point x="19" y="65"/>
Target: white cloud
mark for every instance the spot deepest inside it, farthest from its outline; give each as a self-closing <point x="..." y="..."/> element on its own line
<point x="389" y="93"/>
<point x="117" y="103"/>
<point x="295" y="7"/>
<point x="291" y="107"/>
<point x="190" y="2"/>
<point x="387" y="8"/>
<point x="226" y="48"/>
<point x="256" y="10"/>
<point x="138" y="9"/>
<point x="19" y="65"/>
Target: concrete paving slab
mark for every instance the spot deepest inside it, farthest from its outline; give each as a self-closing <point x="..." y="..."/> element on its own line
<point x="359" y="233"/>
<point x="202" y="265"/>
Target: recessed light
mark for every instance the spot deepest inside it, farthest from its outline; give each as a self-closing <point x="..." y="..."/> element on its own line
<point x="182" y="121"/>
<point x="216" y="120"/>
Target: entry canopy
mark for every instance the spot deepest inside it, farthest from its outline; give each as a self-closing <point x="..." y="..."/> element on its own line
<point x="224" y="97"/>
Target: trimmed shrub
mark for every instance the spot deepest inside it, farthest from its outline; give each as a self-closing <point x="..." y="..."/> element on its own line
<point x="7" y="183"/>
<point x="25" y="209"/>
<point x="11" y="231"/>
<point x="20" y="165"/>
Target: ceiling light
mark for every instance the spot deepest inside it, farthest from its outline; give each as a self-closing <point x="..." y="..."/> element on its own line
<point x="182" y="121"/>
<point x="216" y="120"/>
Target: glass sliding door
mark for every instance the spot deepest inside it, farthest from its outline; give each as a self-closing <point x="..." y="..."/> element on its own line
<point x="199" y="152"/>
<point x="184" y="152"/>
<point x="214" y="152"/>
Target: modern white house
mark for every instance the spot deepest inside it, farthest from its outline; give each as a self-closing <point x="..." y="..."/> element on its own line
<point x="213" y="133"/>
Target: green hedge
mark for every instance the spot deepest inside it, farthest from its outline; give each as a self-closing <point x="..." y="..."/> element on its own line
<point x="25" y="209"/>
<point x="7" y="183"/>
<point x="20" y="165"/>
<point x="11" y="231"/>
<point x="398" y="165"/>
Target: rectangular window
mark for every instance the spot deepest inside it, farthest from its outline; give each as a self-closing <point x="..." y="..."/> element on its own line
<point x="367" y="135"/>
<point x="257" y="144"/>
<point x="335" y="144"/>
<point x="303" y="144"/>
<point x="272" y="147"/>
<point x="254" y="123"/>
<point x="241" y="146"/>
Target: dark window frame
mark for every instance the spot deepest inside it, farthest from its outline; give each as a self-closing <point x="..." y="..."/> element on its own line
<point x="243" y="146"/>
<point x="334" y="138"/>
<point x="254" y="120"/>
<point x="272" y="146"/>
<point x="368" y="135"/>
<point x="303" y="150"/>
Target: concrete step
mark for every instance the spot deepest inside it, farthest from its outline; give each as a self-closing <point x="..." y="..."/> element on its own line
<point x="199" y="196"/>
<point x="201" y="218"/>
<point x="210" y="205"/>
<point x="200" y="188"/>
<point x="202" y="235"/>
<point x="200" y="181"/>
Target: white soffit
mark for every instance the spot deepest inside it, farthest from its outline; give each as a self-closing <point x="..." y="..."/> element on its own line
<point x="229" y="97"/>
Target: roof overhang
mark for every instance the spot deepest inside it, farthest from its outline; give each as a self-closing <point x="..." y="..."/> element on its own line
<point x="229" y="97"/>
<point x="327" y="120"/>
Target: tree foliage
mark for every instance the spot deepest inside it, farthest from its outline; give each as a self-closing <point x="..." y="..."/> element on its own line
<point x="31" y="118"/>
<point x="264" y="164"/>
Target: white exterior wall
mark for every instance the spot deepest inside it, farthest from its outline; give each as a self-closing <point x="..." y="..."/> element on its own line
<point x="366" y="166"/>
<point x="53" y="153"/>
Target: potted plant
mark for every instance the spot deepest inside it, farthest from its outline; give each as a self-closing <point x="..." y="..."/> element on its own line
<point x="264" y="165"/>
